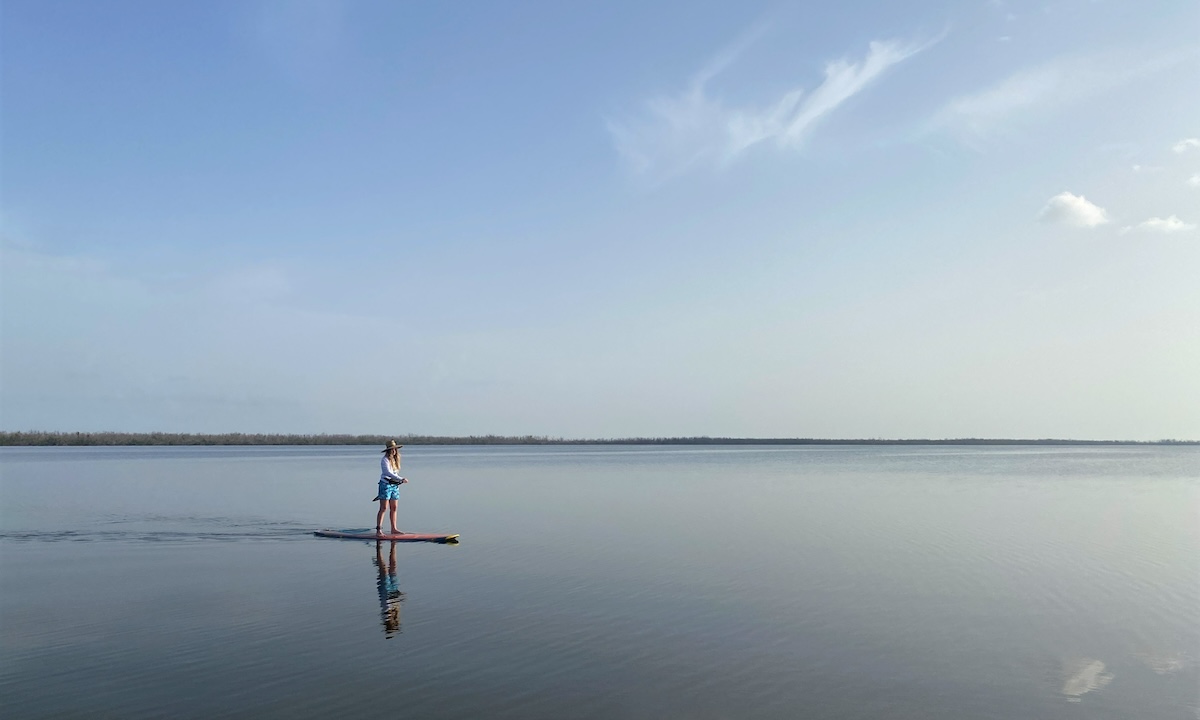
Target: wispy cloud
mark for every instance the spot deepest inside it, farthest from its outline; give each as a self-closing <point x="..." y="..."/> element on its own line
<point x="1072" y="210"/>
<point x="1166" y="226"/>
<point x="1040" y="90"/>
<point x="302" y="38"/>
<point x="1002" y="7"/>
<point x="1184" y="145"/>
<point x="678" y="132"/>
<point x="1194" y="180"/>
<point x="980" y="114"/>
<point x="251" y="284"/>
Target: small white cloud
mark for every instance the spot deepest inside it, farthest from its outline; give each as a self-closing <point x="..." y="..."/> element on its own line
<point x="1184" y="145"/>
<point x="1073" y="210"/>
<point x="1147" y="168"/>
<point x="1166" y="226"/>
<point x="1194" y="180"/>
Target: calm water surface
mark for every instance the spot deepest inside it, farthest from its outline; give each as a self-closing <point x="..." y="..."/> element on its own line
<point x="603" y="582"/>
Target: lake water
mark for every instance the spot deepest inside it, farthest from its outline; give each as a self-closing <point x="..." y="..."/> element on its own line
<point x="603" y="582"/>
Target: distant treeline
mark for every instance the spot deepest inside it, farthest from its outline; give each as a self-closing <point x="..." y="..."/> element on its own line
<point x="160" y="438"/>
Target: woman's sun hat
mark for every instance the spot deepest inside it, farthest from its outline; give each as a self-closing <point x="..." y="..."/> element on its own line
<point x="391" y="446"/>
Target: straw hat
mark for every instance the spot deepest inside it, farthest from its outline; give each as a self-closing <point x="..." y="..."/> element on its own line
<point x="391" y="446"/>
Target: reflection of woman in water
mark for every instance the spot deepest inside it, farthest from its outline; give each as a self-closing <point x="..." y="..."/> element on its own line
<point x="390" y="596"/>
<point x="389" y="486"/>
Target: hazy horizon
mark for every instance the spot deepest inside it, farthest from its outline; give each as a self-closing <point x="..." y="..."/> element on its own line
<point x="667" y="219"/>
<point x="118" y="438"/>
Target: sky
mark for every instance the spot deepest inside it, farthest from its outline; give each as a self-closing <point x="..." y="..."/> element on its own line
<point x="863" y="219"/>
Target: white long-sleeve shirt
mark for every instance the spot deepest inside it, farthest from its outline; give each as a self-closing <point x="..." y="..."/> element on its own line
<point x="386" y="471"/>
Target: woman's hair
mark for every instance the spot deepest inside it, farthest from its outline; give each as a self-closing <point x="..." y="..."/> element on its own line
<point x="393" y="458"/>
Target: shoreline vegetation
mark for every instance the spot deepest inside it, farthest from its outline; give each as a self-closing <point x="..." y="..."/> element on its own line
<point x="37" y="438"/>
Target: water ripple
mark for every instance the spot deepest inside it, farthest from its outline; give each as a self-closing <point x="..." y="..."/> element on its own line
<point x="158" y="536"/>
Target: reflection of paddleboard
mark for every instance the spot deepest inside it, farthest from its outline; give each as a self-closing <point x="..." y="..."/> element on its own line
<point x="372" y="535"/>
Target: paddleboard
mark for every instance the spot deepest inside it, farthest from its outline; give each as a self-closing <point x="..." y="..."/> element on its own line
<point x="389" y="537"/>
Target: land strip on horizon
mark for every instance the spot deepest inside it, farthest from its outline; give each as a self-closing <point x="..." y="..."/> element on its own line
<point x="80" y="439"/>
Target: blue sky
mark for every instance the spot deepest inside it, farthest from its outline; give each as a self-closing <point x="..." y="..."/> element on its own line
<point x="858" y="219"/>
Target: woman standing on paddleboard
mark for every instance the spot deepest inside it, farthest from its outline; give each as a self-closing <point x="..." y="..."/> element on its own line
<point x="389" y="486"/>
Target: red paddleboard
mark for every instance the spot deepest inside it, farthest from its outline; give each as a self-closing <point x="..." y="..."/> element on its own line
<point x="389" y="537"/>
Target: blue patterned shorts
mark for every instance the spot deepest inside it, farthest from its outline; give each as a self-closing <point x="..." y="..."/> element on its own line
<point x="388" y="491"/>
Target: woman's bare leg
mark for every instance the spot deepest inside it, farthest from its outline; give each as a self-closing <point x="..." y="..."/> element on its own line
<point x="391" y="514"/>
<point x="379" y="516"/>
